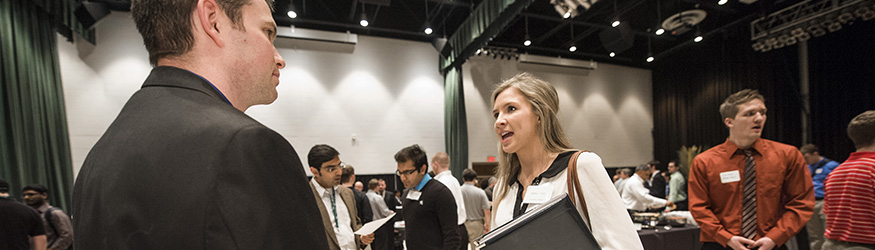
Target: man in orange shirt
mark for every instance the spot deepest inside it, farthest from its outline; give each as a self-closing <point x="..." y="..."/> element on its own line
<point x="749" y="192"/>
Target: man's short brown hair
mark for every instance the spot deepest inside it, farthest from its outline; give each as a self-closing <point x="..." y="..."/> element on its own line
<point x="372" y="184"/>
<point x="729" y="108"/>
<point x="861" y="129"/>
<point x="166" y="25"/>
<point x="808" y="149"/>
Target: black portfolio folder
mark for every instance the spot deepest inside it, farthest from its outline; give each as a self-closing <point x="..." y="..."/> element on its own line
<point x="552" y="225"/>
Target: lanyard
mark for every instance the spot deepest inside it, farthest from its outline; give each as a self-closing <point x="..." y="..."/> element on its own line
<point x="334" y="208"/>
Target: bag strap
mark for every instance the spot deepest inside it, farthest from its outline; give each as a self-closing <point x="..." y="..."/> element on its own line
<point x="49" y="216"/>
<point x="573" y="184"/>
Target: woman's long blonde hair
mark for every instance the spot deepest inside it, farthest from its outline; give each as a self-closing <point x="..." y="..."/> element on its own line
<point x="545" y="103"/>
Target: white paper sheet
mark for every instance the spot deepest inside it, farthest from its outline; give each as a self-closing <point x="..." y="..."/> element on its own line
<point x="372" y="226"/>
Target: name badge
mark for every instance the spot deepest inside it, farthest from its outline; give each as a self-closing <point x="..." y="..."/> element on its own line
<point x="730" y="176"/>
<point x="413" y="195"/>
<point x="538" y="194"/>
<point x="818" y="171"/>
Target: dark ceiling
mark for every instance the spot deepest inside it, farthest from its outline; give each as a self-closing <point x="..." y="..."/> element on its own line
<point x="551" y="35"/>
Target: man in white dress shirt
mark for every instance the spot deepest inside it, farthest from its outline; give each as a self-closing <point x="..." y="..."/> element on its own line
<point x="335" y="202"/>
<point x="636" y="197"/>
<point x="441" y="166"/>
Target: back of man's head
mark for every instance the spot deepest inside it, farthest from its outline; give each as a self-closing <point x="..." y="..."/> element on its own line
<point x="469" y="175"/>
<point x="166" y="26"/>
<point x="441" y="162"/>
<point x="320" y="154"/>
<point x="861" y="130"/>
<point x="372" y="184"/>
<point x="642" y="168"/>
<point x="808" y="149"/>
<point x="346" y="174"/>
<point x="729" y="108"/>
<point x="413" y="153"/>
<point x="36" y="188"/>
<point x="4" y="186"/>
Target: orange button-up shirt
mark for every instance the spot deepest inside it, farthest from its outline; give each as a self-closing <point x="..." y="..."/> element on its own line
<point x="784" y="191"/>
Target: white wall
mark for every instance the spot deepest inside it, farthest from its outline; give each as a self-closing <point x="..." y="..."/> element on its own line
<point x="608" y="111"/>
<point x="388" y="93"/>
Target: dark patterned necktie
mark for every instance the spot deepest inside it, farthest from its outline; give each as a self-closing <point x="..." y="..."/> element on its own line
<point x="749" y="205"/>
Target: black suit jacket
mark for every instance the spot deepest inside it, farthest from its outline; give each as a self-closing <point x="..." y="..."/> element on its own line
<point x="180" y="168"/>
<point x="657" y="186"/>
<point x="363" y="206"/>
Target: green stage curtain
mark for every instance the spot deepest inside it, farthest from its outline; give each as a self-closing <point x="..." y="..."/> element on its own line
<point x="455" y="121"/>
<point x="34" y="143"/>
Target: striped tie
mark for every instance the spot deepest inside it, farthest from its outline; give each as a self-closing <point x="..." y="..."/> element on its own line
<point x="749" y="205"/>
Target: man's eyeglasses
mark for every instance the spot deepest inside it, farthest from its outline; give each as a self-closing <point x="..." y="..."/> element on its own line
<point x="331" y="169"/>
<point x="406" y="172"/>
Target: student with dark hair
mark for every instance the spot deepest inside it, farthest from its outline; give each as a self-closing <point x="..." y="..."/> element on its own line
<point x="429" y="207"/>
<point x="59" y="230"/>
<point x="477" y="207"/>
<point x="335" y="202"/>
<point x="362" y="205"/>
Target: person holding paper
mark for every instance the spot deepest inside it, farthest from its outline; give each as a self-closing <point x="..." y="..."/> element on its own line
<point x="336" y="202"/>
<point x="429" y="209"/>
<point x="383" y="236"/>
<point x="534" y="154"/>
<point x="749" y="192"/>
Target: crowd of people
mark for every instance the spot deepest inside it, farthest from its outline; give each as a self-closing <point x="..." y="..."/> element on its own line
<point x="183" y="167"/>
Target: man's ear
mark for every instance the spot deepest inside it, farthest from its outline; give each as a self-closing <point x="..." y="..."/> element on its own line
<point x="728" y="122"/>
<point x="208" y="14"/>
<point x="314" y="171"/>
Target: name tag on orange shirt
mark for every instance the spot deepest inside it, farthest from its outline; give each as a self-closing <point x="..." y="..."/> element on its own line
<point x="730" y="176"/>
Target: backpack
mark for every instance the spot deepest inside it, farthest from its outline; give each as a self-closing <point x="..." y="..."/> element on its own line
<point x="49" y="216"/>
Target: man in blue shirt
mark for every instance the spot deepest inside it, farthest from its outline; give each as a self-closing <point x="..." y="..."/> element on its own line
<point x="819" y="167"/>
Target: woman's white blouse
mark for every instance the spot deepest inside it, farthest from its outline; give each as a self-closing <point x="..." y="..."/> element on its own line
<point x="610" y="225"/>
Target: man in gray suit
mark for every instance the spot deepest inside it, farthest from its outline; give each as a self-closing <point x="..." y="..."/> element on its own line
<point x="336" y="202"/>
<point x="182" y="167"/>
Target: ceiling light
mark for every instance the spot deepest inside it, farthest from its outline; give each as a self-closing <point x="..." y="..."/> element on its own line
<point x="567" y="14"/>
<point x="615" y="23"/>
<point x="292" y="14"/>
<point x="722" y="2"/>
<point x="428" y="30"/>
<point x="612" y="54"/>
<point x="528" y="39"/>
<point x="660" y="31"/>
<point x="364" y="21"/>
<point x="572" y="48"/>
<point x="650" y="59"/>
<point x="698" y="39"/>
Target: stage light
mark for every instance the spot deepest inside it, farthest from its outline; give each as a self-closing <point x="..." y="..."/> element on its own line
<point x="527" y="42"/>
<point x="566" y="15"/>
<point x="660" y="31"/>
<point x="615" y="23"/>
<point x="572" y="48"/>
<point x="612" y="54"/>
<point x="722" y="2"/>
<point x="650" y="59"/>
<point x="698" y="39"/>
<point x="428" y="31"/>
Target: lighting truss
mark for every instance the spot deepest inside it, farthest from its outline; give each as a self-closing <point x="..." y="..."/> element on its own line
<point x="809" y="18"/>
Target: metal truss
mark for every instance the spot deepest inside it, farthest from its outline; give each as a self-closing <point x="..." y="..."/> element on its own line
<point x="798" y="14"/>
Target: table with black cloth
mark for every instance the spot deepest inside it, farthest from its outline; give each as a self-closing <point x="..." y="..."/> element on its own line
<point x="676" y="238"/>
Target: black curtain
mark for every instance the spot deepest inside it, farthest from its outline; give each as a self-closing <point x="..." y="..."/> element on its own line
<point x="842" y="69"/>
<point x="690" y="85"/>
<point x="34" y="144"/>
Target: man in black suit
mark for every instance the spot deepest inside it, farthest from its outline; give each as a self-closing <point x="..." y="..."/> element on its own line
<point x="429" y="210"/>
<point x="362" y="205"/>
<point x="388" y="196"/>
<point x="182" y="167"/>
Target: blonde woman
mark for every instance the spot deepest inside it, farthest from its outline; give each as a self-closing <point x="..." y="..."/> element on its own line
<point x="535" y="153"/>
